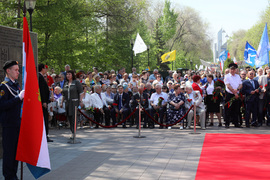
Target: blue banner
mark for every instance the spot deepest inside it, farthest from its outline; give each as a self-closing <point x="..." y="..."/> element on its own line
<point x="250" y="55"/>
<point x="262" y="52"/>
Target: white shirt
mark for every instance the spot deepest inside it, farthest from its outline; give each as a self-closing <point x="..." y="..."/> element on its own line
<point x="98" y="102"/>
<point x="158" y="82"/>
<point x="155" y="96"/>
<point x="234" y="81"/>
<point x="210" y="88"/>
<point x="87" y="101"/>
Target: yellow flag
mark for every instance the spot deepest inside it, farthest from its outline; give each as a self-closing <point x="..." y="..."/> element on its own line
<point x="170" y="56"/>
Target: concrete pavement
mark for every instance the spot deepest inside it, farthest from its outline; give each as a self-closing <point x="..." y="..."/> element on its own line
<point x="114" y="154"/>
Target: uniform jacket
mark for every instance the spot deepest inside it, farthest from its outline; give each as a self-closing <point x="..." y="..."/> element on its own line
<point x="72" y="96"/>
<point x="143" y="98"/>
<point x="10" y="105"/>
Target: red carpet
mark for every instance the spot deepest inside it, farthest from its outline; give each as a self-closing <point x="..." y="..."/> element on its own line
<point x="235" y="156"/>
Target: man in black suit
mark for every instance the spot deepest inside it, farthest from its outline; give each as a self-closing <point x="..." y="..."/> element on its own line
<point x="121" y="105"/>
<point x="251" y="91"/>
<point x="45" y="96"/>
<point x="141" y="97"/>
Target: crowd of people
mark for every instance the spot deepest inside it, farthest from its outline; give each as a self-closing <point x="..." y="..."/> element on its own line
<point x="109" y="97"/>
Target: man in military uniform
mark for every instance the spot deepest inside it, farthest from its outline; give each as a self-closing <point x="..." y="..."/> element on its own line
<point x="10" y="110"/>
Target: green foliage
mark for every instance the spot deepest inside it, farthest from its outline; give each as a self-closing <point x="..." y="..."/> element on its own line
<point x="226" y="64"/>
<point x="88" y="33"/>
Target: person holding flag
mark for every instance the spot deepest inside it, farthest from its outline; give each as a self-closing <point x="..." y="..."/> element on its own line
<point x="11" y="98"/>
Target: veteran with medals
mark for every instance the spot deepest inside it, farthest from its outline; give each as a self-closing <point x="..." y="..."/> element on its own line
<point x="10" y="110"/>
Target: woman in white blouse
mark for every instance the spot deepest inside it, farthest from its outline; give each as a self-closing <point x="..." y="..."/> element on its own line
<point x="212" y="100"/>
<point x="87" y="104"/>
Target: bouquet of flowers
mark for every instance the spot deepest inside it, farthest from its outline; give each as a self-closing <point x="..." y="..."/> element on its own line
<point x="90" y="109"/>
<point x="229" y="103"/>
<point x="217" y="91"/>
<point x="160" y="99"/>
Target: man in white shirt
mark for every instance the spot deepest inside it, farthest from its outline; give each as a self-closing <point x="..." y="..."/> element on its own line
<point x="154" y="101"/>
<point x="100" y="106"/>
<point x="232" y="101"/>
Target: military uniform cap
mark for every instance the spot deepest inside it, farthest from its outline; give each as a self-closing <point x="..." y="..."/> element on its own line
<point x="233" y="66"/>
<point x="8" y="64"/>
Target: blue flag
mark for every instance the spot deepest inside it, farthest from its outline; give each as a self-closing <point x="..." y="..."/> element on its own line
<point x="262" y="52"/>
<point x="222" y="58"/>
<point x="250" y="55"/>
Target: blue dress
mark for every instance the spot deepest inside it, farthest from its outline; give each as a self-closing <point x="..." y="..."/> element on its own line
<point x="174" y="115"/>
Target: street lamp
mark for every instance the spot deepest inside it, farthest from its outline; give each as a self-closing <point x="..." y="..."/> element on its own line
<point x="131" y="43"/>
<point x="30" y="6"/>
<point x="148" y="48"/>
<point x="191" y="64"/>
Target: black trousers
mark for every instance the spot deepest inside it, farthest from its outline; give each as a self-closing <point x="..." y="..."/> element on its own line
<point x="261" y="113"/>
<point x="143" y="116"/>
<point x="99" y="116"/>
<point x="125" y="114"/>
<point x="251" y="107"/>
<point x="46" y="119"/>
<point x="10" y="138"/>
<point x="161" y="112"/>
<point x="71" y="120"/>
<point x="232" y="112"/>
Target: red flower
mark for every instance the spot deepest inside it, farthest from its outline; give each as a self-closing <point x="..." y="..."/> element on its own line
<point x="228" y="104"/>
<point x="189" y="100"/>
<point x="265" y="85"/>
<point x="220" y="81"/>
<point x="161" y="98"/>
<point x="261" y="87"/>
<point x="115" y="104"/>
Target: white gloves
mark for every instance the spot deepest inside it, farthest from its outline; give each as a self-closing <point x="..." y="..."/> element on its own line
<point x="21" y="95"/>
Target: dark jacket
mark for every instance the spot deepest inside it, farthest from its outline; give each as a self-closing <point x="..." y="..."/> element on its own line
<point x="143" y="98"/>
<point x="10" y="105"/>
<point x="125" y="100"/>
<point x="247" y="88"/>
<point x="44" y="89"/>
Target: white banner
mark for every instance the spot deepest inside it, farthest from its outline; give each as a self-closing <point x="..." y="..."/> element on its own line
<point x="139" y="45"/>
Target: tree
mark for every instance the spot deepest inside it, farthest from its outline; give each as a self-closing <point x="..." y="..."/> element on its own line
<point x="226" y="64"/>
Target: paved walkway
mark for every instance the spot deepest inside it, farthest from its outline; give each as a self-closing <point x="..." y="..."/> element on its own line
<point x="114" y="154"/>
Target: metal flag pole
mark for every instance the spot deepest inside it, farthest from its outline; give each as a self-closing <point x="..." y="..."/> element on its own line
<point x="73" y="141"/>
<point x="195" y="121"/>
<point x="140" y="120"/>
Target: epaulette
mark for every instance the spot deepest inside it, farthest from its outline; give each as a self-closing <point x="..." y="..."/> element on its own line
<point x="4" y="82"/>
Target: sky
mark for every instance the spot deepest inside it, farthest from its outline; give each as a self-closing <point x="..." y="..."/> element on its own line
<point x="230" y="15"/>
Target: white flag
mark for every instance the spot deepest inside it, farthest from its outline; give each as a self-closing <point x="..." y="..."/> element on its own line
<point x="234" y="60"/>
<point x="196" y="66"/>
<point x="139" y="45"/>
